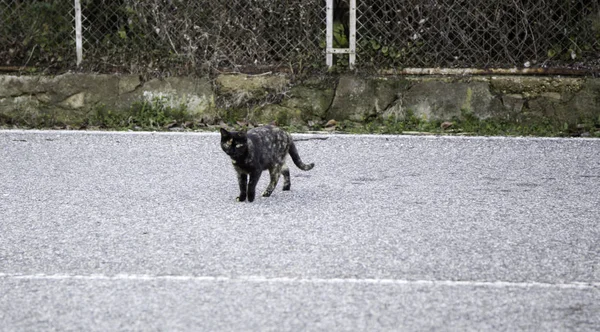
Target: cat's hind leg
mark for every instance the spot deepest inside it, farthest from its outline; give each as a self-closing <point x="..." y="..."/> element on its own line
<point x="274" y="172"/>
<point x="285" y="171"/>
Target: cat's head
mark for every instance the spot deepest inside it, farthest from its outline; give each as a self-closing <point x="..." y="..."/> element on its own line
<point x="234" y="143"/>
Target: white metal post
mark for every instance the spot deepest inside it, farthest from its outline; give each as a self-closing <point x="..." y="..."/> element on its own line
<point x="78" y="36"/>
<point x="352" y="36"/>
<point x="329" y="34"/>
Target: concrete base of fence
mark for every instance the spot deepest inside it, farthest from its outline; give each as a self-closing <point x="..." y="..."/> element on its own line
<point x="71" y="99"/>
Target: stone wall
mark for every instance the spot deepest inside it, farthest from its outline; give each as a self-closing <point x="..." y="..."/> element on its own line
<point x="70" y="99"/>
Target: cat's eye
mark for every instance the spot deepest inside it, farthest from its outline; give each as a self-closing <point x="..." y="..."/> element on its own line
<point x="239" y="145"/>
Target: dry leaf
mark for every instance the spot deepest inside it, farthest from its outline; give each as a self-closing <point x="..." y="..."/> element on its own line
<point x="170" y="125"/>
<point x="445" y="125"/>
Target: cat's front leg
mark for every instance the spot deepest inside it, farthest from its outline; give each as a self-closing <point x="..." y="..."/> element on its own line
<point x="243" y="183"/>
<point x="254" y="177"/>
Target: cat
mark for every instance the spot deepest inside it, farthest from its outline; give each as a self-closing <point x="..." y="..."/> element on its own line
<point x="257" y="150"/>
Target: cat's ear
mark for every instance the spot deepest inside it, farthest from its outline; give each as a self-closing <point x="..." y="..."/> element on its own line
<point x="225" y="133"/>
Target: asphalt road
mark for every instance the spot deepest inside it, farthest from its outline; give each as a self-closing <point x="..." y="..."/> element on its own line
<point x="124" y="231"/>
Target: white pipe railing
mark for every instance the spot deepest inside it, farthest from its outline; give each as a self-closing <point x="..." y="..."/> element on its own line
<point x="330" y="50"/>
<point x="78" y="35"/>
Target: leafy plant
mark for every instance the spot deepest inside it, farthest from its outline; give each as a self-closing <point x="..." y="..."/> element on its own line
<point x="35" y="33"/>
<point x="154" y="114"/>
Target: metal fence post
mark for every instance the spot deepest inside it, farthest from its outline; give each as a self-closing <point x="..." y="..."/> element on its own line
<point x="352" y="36"/>
<point x="329" y="34"/>
<point x="78" y="36"/>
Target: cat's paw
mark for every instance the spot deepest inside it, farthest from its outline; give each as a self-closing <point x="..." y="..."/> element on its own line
<point x="286" y="188"/>
<point x="266" y="194"/>
<point x="240" y="198"/>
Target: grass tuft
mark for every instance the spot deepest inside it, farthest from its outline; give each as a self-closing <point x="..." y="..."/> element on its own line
<point x="156" y="114"/>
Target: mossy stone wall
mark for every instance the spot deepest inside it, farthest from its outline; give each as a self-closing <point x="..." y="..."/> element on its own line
<point x="72" y="99"/>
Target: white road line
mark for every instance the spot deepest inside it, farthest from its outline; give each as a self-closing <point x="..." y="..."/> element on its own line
<point x="289" y="280"/>
<point x="311" y="134"/>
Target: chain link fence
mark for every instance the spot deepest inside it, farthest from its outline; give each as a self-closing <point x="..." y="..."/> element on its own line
<point x="36" y="34"/>
<point x="174" y="37"/>
<point x="478" y="33"/>
<point x="164" y="37"/>
<point x="183" y="36"/>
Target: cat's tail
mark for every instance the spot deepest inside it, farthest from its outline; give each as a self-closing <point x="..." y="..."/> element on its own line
<point x="297" y="161"/>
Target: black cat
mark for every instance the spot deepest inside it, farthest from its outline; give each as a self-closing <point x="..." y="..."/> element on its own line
<point x="257" y="150"/>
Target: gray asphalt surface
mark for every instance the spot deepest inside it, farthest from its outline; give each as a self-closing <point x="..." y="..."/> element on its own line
<point x="118" y="231"/>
